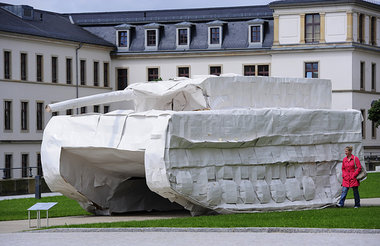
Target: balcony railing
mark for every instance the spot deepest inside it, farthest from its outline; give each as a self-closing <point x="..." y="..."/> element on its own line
<point x="25" y="172"/>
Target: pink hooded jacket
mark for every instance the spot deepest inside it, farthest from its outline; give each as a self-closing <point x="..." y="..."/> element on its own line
<point x="349" y="173"/>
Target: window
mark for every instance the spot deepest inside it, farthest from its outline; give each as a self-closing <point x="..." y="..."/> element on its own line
<point x="54" y="69"/>
<point x="214" y="35"/>
<point x="69" y="111"/>
<point x="7" y="115"/>
<point x="23" y="66"/>
<point x="183" y="72"/>
<point x="373" y="130"/>
<point x="372" y="40"/>
<point x="82" y="72"/>
<point x="152" y="74"/>
<point x="69" y="72"/>
<point x="249" y="70"/>
<point x="24" y="116"/>
<point x="311" y="70"/>
<point x="215" y="70"/>
<point x="373" y="77"/>
<point x="96" y="73"/>
<point x="39" y="68"/>
<point x="7" y="64"/>
<point x="362" y="75"/>
<point x="361" y="27"/>
<point x="151" y="38"/>
<point x="8" y="166"/>
<point x="152" y="33"/>
<point x="183" y="36"/>
<point x="106" y="109"/>
<point x="83" y="110"/>
<point x="40" y="116"/>
<point x="105" y="74"/>
<point x="312" y="28"/>
<point x="39" y="165"/>
<point x="122" y="79"/>
<point x="96" y="108"/>
<point x="363" y="123"/>
<point x="123" y="38"/>
<point x="255" y="34"/>
<point x="24" y="165"/>
<point x="263" y="70"/>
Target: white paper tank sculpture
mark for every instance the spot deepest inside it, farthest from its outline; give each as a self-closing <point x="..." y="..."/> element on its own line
<point x="227" y="144"/>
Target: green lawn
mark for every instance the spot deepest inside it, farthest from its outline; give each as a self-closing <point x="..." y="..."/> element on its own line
<point x="16" y="209"/>
<point x="365" y="217"/>
<point x="369" y="188"/>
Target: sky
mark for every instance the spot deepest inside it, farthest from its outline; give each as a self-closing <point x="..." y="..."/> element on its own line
<point x="80" y="6"/>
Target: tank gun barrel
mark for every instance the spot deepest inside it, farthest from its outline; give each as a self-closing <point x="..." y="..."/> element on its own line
<point x="109" y="97"/>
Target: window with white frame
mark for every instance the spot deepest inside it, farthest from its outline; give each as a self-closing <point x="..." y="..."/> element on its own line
<point x="256" y="32"/>
<point x="183" y="35"/>
<point x="123" y="36"/>
<point x="152" y="35"/>
<point x="215" y="34"/>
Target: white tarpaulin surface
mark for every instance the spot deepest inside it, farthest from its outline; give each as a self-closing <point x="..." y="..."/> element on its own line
<point x="256" y="150"/>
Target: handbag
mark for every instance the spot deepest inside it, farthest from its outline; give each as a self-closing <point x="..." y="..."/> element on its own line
<point x="363" y="173"/>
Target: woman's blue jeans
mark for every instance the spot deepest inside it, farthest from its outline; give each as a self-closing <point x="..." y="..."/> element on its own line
<point x="344" y="194"/>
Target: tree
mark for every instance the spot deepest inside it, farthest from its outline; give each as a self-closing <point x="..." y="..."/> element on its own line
<point x="374" y="112"/>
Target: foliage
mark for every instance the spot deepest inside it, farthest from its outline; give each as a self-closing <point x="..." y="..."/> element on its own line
<point x="374" y="113"/>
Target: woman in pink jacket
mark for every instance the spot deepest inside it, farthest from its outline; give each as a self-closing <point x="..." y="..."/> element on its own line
<point x="349" y="173"/>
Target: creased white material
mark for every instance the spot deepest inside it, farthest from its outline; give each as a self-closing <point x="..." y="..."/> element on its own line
<point x="213" y="92"/>
<point x="265" y="144"/>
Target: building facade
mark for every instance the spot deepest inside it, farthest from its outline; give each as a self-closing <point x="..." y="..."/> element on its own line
<point x="337" y="40"/>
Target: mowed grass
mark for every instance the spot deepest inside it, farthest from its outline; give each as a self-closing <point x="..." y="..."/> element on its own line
<point x="365" y="218"/>
<point x="16" y="209"/>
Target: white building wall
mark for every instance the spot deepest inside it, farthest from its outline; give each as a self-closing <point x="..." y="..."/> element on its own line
<point x="137" y="68"/>
<point x="335" y="27"/>
<point x="289" y="29"/>
<point x="333" y="64"/>
<point x="17" y="141"/>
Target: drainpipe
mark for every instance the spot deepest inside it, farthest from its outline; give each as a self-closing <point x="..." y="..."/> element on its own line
<point x="76" y="71"/>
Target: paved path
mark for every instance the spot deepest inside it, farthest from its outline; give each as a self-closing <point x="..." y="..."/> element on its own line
<point x="188" y="238"/>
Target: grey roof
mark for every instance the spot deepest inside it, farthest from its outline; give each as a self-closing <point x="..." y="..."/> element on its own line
<point x="233" y="19"/>
<point x="173" y="15"/>
<point x="290" y="3"/>
<point x="48" y="25"/>
<point x="235" y="36"/>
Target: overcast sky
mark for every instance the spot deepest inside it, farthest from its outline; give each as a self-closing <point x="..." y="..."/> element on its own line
<point x="75" y="6"/>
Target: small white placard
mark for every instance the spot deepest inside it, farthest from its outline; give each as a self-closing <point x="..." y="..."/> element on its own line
<point x="42" y="206"/>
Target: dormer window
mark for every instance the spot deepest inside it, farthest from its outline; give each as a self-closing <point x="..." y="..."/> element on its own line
<point x="183" y="35"/>
<point x="123" y="34"/>
<point x="255" y="32"/>
<point x="215" y="34"/>
<point x="152" y="36"/>
<point x="123" y="38"/>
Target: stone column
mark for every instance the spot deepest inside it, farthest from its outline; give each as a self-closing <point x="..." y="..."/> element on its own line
<point x="349" y="27"/>
<point x="302" y="31"/>
<point x="322" y="28"/>
<point x="276" y="30"/>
